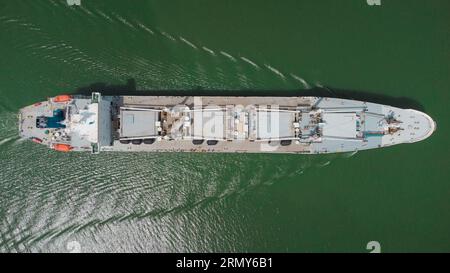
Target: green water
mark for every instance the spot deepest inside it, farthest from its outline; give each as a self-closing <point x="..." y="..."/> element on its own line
<point x="396" y="52"/>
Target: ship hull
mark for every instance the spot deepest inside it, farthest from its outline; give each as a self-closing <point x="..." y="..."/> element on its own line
<point x="297" y="125"/>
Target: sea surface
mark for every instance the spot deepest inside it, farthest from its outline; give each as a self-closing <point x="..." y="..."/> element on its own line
<point x="395" y="53"/>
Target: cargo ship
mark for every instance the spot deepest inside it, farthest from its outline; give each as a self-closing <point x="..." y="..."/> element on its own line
<point x="223" y="124"/>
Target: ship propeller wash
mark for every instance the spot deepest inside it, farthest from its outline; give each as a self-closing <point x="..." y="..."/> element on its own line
<point x="304" y="125"/>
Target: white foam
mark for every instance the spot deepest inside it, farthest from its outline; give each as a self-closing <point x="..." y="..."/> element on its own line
<point x="167" y="35"/>
<point x="3" y="141"/>
<point x="86" y="10"/>
<point x="249" y="62"/>
<point x="124" y="21"/>
<point x="19" y="141"/>
<point x="274" y="70"/>
<point x="146" y="28"/>
<point x="348" y="155"/>
<point x="305" y="84"/>
<point x="187" y="42"/>
<point x="104" y="15"/>
<point x="53" y="3"/>
<point x="318" y="84"/>
<point x="228" y="56"/>
<point x="208" y="50"/>
<point x="325" y="164"/>
<point x="12" y="21"/>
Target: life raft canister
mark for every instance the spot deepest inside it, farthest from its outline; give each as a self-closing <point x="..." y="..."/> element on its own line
<point x="62" y="147"/>
<point x="62" y="98"/>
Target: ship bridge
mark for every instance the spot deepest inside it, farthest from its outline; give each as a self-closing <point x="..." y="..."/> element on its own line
<point x="67" y="123"/>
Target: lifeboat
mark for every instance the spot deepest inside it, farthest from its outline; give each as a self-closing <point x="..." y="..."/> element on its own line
<point x="36" y="140"/>
<point x="62" y="98"/>
<point x="62" y="147"/>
